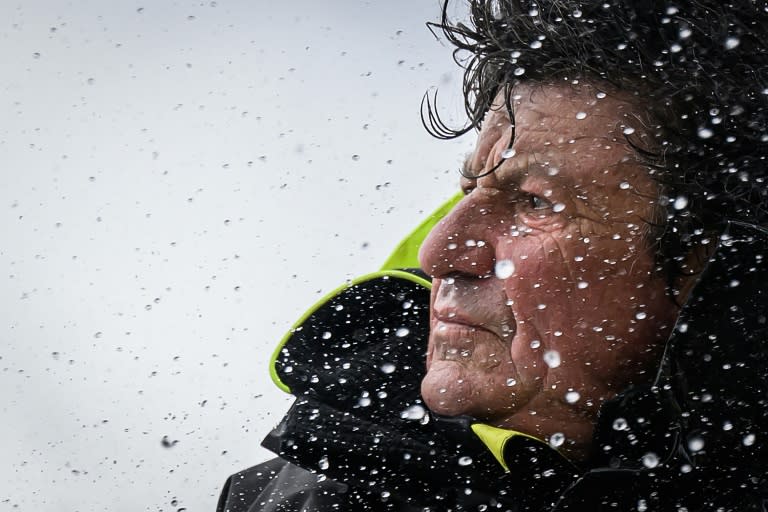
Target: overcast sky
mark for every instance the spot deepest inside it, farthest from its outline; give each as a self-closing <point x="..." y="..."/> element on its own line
<point x="179" y="181"/>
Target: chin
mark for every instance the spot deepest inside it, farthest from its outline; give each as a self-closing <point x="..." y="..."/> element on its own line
<point x="448" y="389"/>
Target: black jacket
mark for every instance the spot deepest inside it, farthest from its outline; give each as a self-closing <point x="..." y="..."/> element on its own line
<point x="358" y="437"/>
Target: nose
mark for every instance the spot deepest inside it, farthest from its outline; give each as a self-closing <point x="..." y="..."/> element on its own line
<point x="464" y="241"/>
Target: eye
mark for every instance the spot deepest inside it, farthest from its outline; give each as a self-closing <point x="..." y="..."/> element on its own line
<point x="539" y="203"/>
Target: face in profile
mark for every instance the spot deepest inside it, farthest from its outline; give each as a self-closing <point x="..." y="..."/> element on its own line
<point x="545" y="299"/>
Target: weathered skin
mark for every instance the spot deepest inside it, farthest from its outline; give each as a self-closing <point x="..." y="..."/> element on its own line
<point x="570" y="210"/>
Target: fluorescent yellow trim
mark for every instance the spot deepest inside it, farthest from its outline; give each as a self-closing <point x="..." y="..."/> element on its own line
<point x="368" y="277"/>
<point x="496" y="438"/>
<point x="406" y="254"/>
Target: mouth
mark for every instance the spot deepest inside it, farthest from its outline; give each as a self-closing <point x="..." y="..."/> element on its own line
<point x="468" y="344"/>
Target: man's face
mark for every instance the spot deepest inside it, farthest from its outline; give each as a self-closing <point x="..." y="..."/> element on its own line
<point x="545" y="300"/>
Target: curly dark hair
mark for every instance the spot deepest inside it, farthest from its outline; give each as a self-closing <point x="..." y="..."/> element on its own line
<point x="700" y="67"/>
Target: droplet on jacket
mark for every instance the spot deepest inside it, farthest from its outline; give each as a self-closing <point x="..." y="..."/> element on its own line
<point x="620" y="424"/>
<point x="727" y="425"/>
<point x="650" y="460"/>
<point x="731" y="43"/>
<point x="748" y="440"/>
<point x="402" y="332"/>
<point x="680" y="203"/>
<point x="326" y="335"/>
<point x="465" y="461"/>
<point x="323" y="463"/>
<point x="556" y="440"/>
<point x="388" y="368"/>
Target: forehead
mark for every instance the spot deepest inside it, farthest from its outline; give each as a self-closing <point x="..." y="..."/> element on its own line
<point x="580" y="130"/>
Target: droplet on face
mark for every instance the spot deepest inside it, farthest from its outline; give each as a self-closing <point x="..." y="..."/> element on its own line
<point x="558" y="207"/>
<point x="600" y="95"/>
<point x="535" y="344"/>
<point x="582" y="284"/>
<point x="581" y="115"/>
<point x="556" y="440"/>
<point x="508" y="153"/>
<point x="623" y="185"/>
<point x="628" y="130"/>
<point x="552" y="358"/>
<point x="572" y="397"/>
<point x="650" y="460"/>
<point x="511" y="382"/>
<point x="641" y="315"/>
<point x="504" y="269"/>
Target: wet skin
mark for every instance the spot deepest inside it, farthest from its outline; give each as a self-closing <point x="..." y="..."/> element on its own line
<point x="568" y="215"/>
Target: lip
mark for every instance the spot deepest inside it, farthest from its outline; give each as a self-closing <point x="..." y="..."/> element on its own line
<point x="456" y="319"/>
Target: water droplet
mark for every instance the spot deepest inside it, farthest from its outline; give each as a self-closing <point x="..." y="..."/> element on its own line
<point x="577" y="13"/>
<point x="731" y="43"/>
<point x="552" y="358"/>
<point x="323" y="463"/>
<point x="650" y="460"/>
<point x="581" y="115"/>
<point x="413" y="413"/>
<point x="623" y="185"/>
<point x="465" y="461"/>
<point x="620" y="424"/>
<point x="402" y="332"/>
<point x="680" y="203"/>
<point x="511" y="382"/>
<point x="675" y="48"/>
<point x="628" y="130"/>
<point x="572" y="397"/>
<point x="686" y="468"/>
<point x="326" y="335"/>
<point x="388" y="368"/>
<point x="535" y="344"/>
<point x="582" y="284"/>
<point x="696" y="444"/>
<point x="508" y="153"/>
<point x="727" y="425"/>
<point x="97" y="335"/>
<point x="641" y="315"/>
<point x="748" y="440"/>
<point x="535" y="45"/>
<point x="705" y="133"/>
<point x="504" y="269"/>
<point x="519" y="71"/>
<point x="600" y="95"/>
<point x="364" y="401"/>
<point x="685" y="33"/>
<point x="556" y="440"/>
<point x="558" y="207"/>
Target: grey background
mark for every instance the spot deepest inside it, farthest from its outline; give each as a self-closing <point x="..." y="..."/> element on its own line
<point x="179" y="180"/>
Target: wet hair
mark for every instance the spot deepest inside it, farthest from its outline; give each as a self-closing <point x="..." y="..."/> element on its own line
<point x="699" y="67"/>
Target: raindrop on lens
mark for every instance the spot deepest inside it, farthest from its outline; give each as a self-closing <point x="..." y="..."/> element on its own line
<point x="696" y="444"/>
<point x="680" y="203"/>
<point x="552" y="358"/>
<point x="650" y="460"/>
<point x="731" y="43"/>
<point x="572" y="397"/>
<point x="504" y="269"/>
<point x="556" y="440"/>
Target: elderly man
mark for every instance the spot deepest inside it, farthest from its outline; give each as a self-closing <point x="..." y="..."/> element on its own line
<point x="595" y="333"/>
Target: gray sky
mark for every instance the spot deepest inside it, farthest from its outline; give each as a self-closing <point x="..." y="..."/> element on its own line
<point x="180" y="180"/>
